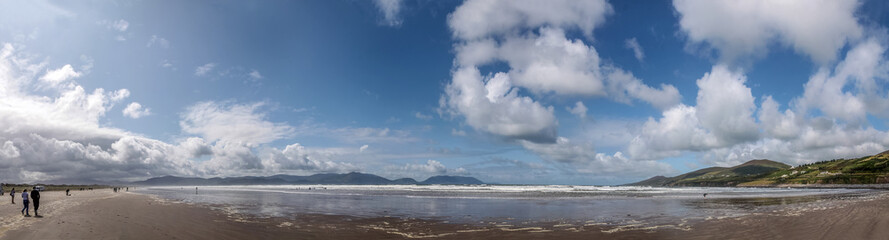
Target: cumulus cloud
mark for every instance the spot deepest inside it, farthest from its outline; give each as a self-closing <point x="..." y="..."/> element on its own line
<point x="231" y="122"/>
<point x="579" y="110"/>
<point x="530" y="38"/>
<point x="58" y="137"/>
<point x="828" y="121"/>
<point x="391" y="9"/>
<point x="853" y="88"/>
<point x="632" y="44"/>
<point x="483" y="18"/>
<point x="723" y="117"/>
<point x="737" y="29"/>
<point x="582" y="158"/>
<point x="298" y="157"/>
<point x="56" y="78"/>
<point x="204" y="69"/>
<point x="623" y="87"/>
<point x="725" y="106"/>
<point x="492" y="105"/>
<point x="135" y="111"/>
<point x="430" y="168"/>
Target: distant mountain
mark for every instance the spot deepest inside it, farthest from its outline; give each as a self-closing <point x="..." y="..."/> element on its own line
<point x="355" y="178"/>
<point x="750" y="171"/>
<point x="451" y="180"/>
<point x="406" y="181"/>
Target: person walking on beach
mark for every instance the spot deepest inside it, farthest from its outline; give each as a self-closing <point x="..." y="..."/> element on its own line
<point x="25" y="210"/>
<point x="35" y="196"/>
<point x="12" y="195"/>
<point x="66" y="194"/>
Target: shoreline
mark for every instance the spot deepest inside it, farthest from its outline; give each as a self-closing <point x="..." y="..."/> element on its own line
<point x="128" y="215"/>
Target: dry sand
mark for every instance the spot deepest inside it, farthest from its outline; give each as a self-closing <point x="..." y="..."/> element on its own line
<point x="101" y="214"/>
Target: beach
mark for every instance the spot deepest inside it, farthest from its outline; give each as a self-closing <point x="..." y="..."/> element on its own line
<point x="102" y="214"/>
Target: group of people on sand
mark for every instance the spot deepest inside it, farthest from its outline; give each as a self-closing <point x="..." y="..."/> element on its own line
<point x="26" y="200"/>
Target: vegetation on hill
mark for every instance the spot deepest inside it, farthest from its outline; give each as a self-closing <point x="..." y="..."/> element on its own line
<point x="865" y="170"/>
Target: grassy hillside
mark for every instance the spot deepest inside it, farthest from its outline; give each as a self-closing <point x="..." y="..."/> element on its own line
<point x="866" y="170"/>
<point x="719" y="176"/>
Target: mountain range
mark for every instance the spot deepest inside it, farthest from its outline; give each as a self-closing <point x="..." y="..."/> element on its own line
<point x="762" y="173"/>
<point x="353" y="178"/>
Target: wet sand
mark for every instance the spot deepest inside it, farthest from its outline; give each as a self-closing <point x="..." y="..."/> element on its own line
<point x="102" y="214"/>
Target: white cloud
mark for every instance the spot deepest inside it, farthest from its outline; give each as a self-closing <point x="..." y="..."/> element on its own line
<point x="725" y="106"/>
<point x="722" y="130"/>
<point x="579" y="110"/>
<point x="423" y="170"/>
<point x="478" y="19"/>
<point x="119" y="25"/>
<point x="56" y="78"/>
<point x="632" y="44"/>
<point x="552" y="63"/>
<point x="723" y="117"/>
<point x="582" y="158"/>
<point x="363" y="148"/>
<point x="204" y="69"/>
<point x="530" y="37"/>
<point x="422" y="116"/>
<point x="135" y="111"/>
<point x="59" y="138"/>
<point x="254" y="75"/>
<point x="678" y="129"/>
<point x="549" y="62"/>
<point x="492" y="105"/>
<point x="737" y="29"/>
<point x="391" y="9"/>
<point x="622" y="87"/>
<point x="779" y="125"/>
<point x="158" y="41"/>
<point x="298" y="157"/>
<point x="229" y="122"/>
<point x="863" y="69"/>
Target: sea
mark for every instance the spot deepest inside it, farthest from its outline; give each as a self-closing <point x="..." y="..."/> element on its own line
<point x="517" y="204"/>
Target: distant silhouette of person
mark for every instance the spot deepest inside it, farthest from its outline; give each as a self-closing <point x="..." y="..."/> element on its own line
<point x="66" y="194"/>
<point x="705" y="195"/>
<point x="25" y="210"/>
<point x="35" y="196"/>
<point x="12" y="195"/>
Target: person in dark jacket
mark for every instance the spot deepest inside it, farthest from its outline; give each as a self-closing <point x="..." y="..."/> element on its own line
<point x="35" y="198"/>
<point x="12" y="195"/>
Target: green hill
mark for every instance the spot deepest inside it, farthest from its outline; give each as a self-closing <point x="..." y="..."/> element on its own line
<point x="719" y="176"/>
<point x="865" y="170"/>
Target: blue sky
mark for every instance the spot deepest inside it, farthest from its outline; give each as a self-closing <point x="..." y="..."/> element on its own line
<point x="538" y="92"/>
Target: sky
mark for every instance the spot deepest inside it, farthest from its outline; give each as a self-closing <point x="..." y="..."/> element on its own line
<point x="515" y="92"/>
